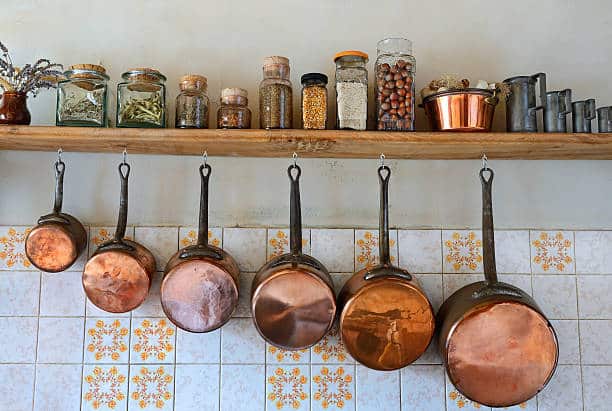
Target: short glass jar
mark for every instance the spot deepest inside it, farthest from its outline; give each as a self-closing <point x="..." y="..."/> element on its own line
<point x="234" y="111"/>
<point x="82" y="97"/>
<point x="395" y="69"/>
<point x="351" y="90"/>
<point x="314" y="101"/>
<point x="275" y="94"/>
<point x="141" y="99"/>
<point x="192" y="103"/>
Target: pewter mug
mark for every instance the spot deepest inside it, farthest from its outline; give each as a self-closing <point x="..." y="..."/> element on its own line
<point x="604" y="119"/>
<point x="582" y="113"/>
<point x="521" y="105"/>
<point x="558" y="105"/>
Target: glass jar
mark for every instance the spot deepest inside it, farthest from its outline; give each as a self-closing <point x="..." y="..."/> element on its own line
<point x="314" y="101"/>
<point x="81" y="98"/>
<point x="192" y="104"/>
<point x="234" y="111"/>
<point x="275" y="94"/>
<point x="351" y="90"/>
<point x="141" y="99"/>
<point x="395" y="69"/>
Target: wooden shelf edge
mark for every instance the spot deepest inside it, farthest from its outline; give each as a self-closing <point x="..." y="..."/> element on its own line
<point x="309" y="143"/>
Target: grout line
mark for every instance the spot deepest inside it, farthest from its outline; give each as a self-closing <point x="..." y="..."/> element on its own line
<point x="40" y="275"/>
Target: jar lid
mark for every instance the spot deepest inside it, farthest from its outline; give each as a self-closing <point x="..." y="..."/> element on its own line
<point x="196" y="81"/>
<point x="233" y="91"/>
<point x="144" y="73"/>
<point x="318" y="77"/>
<point x="355" y="53"/>
<point x="86" y="71"/>
<point x="273" y="60"/>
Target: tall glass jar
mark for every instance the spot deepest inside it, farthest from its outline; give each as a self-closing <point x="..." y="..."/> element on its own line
<point x="275" y="94"/>
<point x="82" y="97"/>
<point x="351" y="90"/>
<point x="234" y="111"/>
<point x="192" y="103"/>
<point x="141" y="99"/>
<point x="314" y="101"/>
<point x="395" y="70"/>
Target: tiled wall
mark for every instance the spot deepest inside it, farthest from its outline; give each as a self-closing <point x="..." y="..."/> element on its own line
<point x="59" y="353"/>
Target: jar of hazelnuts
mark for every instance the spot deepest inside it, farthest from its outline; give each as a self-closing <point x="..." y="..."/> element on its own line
<point x="395" y="69"/>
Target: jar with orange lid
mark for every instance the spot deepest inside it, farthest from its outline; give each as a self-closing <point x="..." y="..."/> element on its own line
<point x="141" y="99"/>
<point x="351" y="90"/>
<point x="234" y="111"/>
<point x="192" y="104"/>
<point x="276" y="94"/>
<point x="82" y="96"/>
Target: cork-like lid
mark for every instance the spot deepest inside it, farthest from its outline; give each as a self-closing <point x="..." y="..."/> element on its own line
<point x="273" y="60"/>
<point x="234" y="91"/>
<point x="86" y="71"/>
<point x="193" y="81"/>
<point x="91" y="67"/>
<point x="144" y="73"/>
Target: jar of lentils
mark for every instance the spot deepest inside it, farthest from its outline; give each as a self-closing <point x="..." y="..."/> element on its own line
<point x="314" y="101"/>
<point x="192" y="103"/>
<point x="141" y="99"/>
<point x="234" y="111"/>
<point x="275" y="94"/>
<point x="395" y="70"/>
<point x="82" y="97"/>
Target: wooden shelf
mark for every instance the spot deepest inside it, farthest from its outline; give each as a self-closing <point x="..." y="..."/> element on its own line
<point x="309" y="143"/>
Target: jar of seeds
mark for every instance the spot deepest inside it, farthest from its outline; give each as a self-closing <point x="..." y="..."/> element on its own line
<point x="275" y="94"/>
<point x="234" y="111"/>
<point x="314" y="101"/>
<point x="395" y="70"/>
<point x="351" y="90"/>
<point x="141" y="99"/>
<point x="81" y="98"/>
<point x="192" y="103"/>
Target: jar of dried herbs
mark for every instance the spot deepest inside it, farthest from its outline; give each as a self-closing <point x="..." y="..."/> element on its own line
<point x="192" y="103"/>
<point x="275" y="94"/>
<point x="141" y="99"/>
<point x="234" y="111"/>
<point x="82" y="96"/>
<point x="351" y="90"/>
<point x="314" y="101"/>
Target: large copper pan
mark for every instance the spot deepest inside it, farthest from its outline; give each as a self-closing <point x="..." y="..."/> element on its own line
<point x="199" y="291"/>
<point x="292" y="298"/>
<point x="117" y="277"/>
<point x="386" y="320"/>
<point x="498" y="347"/>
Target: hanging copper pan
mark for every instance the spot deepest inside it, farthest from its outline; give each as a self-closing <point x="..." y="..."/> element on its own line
<point x="199" y="291"/>
<point x="58" y="239"/>
<point x="498" y="347"/>
<point x="386" y="320"/>
<point x="292" y="297"/>
<point x="117" y="277"/>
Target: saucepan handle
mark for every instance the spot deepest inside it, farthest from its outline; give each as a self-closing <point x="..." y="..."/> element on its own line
<point x="488" y="241"/>
<point x="201" y="251"/>
<point x="205" y="171"/>
<point x="124" y="174"/>
<point x="295" y="210"/>
<point x="60" y="168"/>
<point x="384" y="174"/>
<point x="387" y="271"/>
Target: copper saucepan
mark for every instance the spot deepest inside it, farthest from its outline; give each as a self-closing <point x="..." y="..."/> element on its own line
<point x="470" y="109"/>
<point x="386" y="320"/>
<point x="118" y="276"/>
<point x="498" y="347"/>
<point x="292" y="297"/>
<point x="199" y="291"/>
<point x="58" y="239"/>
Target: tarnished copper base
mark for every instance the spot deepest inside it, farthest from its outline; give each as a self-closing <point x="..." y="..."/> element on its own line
<point x="51" y="248"/>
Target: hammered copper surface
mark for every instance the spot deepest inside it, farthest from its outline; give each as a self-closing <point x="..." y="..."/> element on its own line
<point x="460" y="111"/>
<point x="501" y="354"/>
<point x="51" y="248"/>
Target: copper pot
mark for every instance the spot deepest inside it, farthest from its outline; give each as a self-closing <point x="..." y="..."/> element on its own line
<point x="199" y="291"/>
<point x="386" y="320"/>
<point x="58" y="239"/>
<point x="461" y="110"/>
<point x="498" y="347"/>
<point x="292" y="297"/>
<point x="118" y="276"/>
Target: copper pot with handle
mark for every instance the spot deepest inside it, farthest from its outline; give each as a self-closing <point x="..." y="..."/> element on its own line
<point x="58" y="239"/>
<point x="118" y="276"/>
<point x="199" y="291"/>
<point x="497" y="346"/>
<point x="386" y="320"/>
<point x="292" y="297"/>
<point x="467" y="110"/>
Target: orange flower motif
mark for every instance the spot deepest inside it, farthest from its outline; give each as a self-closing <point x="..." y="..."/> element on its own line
<point x="331" y="347"/>
<point x="154" y="339"/>
<point x="464" y="251"/>
<point x="552" y="252"/>
<point x="12" y="247"/>
<point x="368" y="245"/>
<point x="460" y="400"/>
<point x="107" y="340"/>
<point x="282" y="355"/>
<point x="192" y="237"/>
<point x="332" y="388"/>
<point x="286" y="387"/>
<point x="280" y="244"/>
<point x="151" y="387"/>
<point x="105" y="387"/>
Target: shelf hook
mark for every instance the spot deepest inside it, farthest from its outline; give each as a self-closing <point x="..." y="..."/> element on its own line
<point x="205" y="158"/>
<point x="59" y="155"/>
<point x="382" y="159"/>
<point x="485" y="165"/>
<point x="125" y="156"/>
<point x="295" y="156"/>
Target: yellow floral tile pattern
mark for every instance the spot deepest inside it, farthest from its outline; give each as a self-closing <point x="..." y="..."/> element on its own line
<point x="460" y="400"/>
<point x="107" y="340"/>
<point x="278" y="242"/>
<point x="330" y="349"/>
<point x="151" y="387"/>
<point x="153" y="340"/>
<point x="552" y="252"/>
<point x="192" y="237"/>
<point x="463" y="252"/>
<point x="286" y="388"/>
<point x="279" y="355"/>
<point x="366" y="249"/>
<point x="332" y="387"/>
<point x="106" y="388"/>
<point x="12" y="248"/>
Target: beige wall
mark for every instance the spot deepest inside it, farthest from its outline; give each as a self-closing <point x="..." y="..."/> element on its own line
<point x="226" y="41"/>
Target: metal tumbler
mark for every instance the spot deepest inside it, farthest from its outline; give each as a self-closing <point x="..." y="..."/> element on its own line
<point x="582" y="113"/>
<point x="604" y="119"/>
<point x="521" y="105"/>
<point x="558" y="106"/>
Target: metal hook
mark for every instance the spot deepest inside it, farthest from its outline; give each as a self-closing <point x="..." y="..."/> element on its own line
<point x="382" y="159"/>
<point x="484" y="161"/>
<point x="125" y="156"/>
<point x="205" y="157"/>
<point x="59" y="155"/>
<point x="295" y="156"/>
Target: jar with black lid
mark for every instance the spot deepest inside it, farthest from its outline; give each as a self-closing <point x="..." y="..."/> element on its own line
<point x="141" y="99"/>
<point x="234" y="111"/>
<point x="82" y="97"/>
<point x="314" y="101"/>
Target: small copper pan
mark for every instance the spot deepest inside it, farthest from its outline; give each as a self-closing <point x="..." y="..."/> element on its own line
<point x="470" y="110"/>
<point x="199" y="291"/>
<point x="292" y="297"/>
<point x="498" y="347"/>
<point x="58" y="239"/>
<point x="386" y="320"/>
<point x="117" y="277"/>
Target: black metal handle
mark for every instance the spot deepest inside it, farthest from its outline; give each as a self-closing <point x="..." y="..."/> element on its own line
<point x="541" y="79"/>
<point x="488" y="240"/>
<point x="205" y="170"/>
<point x="295" y="210"/>
<point x="384" y="174"/>
<point x="200" y="251"/>
<point x="60" y="167"/>
<point x="124" y="174"/>
<point x="387" y="271"/>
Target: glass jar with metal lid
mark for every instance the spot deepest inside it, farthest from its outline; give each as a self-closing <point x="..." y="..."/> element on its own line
<point x="82" y="96"/>
<point x="141" y="99"/>
<point x="395" y="69"/>
<point x="351" y="90"/>
<point x="276" y="94"/>
<point x="314" y="101"/>
<point x="192" y="104"/>
<point x="234" y="111"/>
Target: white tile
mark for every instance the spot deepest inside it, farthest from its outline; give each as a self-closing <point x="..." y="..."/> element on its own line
<point x="153" y="340"/>
<point x="247" y="246"/>
<point x="58" y="387"/>
<point x="522" y="281"/>
<point x="151" y="387"/>
<point x="462" y="251"/>
<point x="19" y="293"/>
<point x="62" y="294"/>
<point x="93" y="311"/>
<point x="242" y="387"/>
<point x="332" y="387"/>
<point x="552" y="252"/>
<point x="105" y="387"/>
<point x="367" y="248"/>
<point x="99" y="235"/>
<point x="593" y="252"/>
<point x="453" y="282"/>
<point x="18" y="339"/>
<point x="288" y="387"/>
<point x="420" y="251"/>
<point x="556" y="295"/>
<point x="198" y="348"/>
<point x="279" y="242"/>
<point x="151" y="306"/>
<point x="243" y="309"/>
<point x="60" y="340"/>
<point x="595" y="296"/>
<point x="456" y="401"/>
<point x="432" y="286"/>
<point x="12" y="249"/>
<point x="564" y="389"/>
<point x="197" y="388"/>
<point x="241" y="343"/>
<point x="569" y="346"/>
<point x="161" y="241"/>
<point x="596" y="386"/>
<point x="334" y="248"/>
<point x="422" y="387"/>
<point x="512" y="252"/>
<point x="18" y="394"/>
<point x="595" y="337"/>
<point x="377" y="388"/>
<point x="107" y="340"/>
